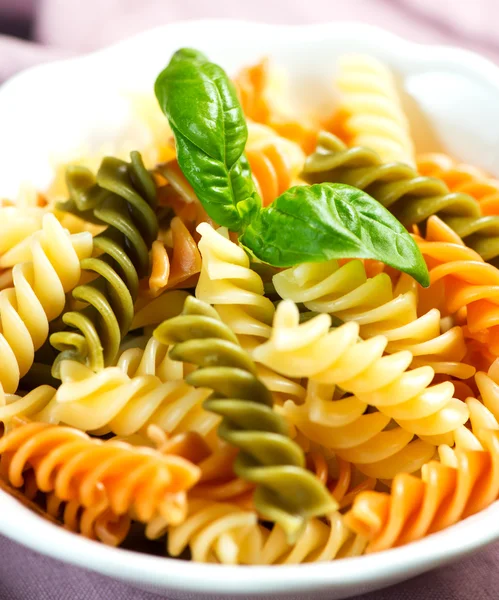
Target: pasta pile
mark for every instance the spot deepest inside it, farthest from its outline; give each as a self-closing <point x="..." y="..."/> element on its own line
<point x="154" y="374"/>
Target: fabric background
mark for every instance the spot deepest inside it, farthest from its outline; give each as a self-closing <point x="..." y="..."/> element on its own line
<point x="64" y="27"/>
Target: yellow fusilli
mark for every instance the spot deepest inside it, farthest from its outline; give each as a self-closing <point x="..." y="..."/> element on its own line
<point x="338" y="357"/>
<point x="47" y="269"/>
<point x="371" y="113"/>
<point x="379" y="308"/>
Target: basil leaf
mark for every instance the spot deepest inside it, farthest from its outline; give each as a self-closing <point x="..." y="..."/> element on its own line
<point x="188" y="54"/>
<point x="210" y="133"/>
<point x="325" y="221"/>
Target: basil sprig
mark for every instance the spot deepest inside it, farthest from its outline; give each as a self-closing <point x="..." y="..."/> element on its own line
<point x="306" y="223"/>
<point x="210" y="133"/>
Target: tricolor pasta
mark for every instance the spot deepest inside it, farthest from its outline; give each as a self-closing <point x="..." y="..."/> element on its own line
<point x="242" y="348"/>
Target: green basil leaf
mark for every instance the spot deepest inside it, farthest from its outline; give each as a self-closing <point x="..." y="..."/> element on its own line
<point x="212" y="183"/>
<point x="325" y="221"/>
<point x="188" y="54"/>
<point x="210" y="132"/>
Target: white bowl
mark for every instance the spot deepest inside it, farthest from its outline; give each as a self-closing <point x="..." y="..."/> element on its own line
<point x="53" y="110"/>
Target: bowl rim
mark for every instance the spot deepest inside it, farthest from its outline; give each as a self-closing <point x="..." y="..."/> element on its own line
<point x="173" y="573"/>
<point x="462" y="57"/>
<point x="16" y="520"/>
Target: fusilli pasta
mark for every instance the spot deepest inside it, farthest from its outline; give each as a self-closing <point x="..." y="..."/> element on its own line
<point x="224" y="533"/>
<point x="463" y="482"/>
<point x="263" y="97"/>
<point x="379" y="308"/>
<point x="256" y="391"/>
<point x="462" y="178"/>
<point x="338" y="357"/>
<point x="370" y="111"/>
<point x="121" y="197"/>
<point x="461" y="279"/>
<point x="112" y="401"/>
<point x="140" y="482"/>
<point x="48" y="267"/>
<point x="268" y="457"/>
<point x="227" y="282"/>
<point x="98" y="522"/>
<point x="364" y="439"/>
<point x="275" y="162"/>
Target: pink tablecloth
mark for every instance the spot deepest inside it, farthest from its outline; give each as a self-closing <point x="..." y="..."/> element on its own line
<point x="65" y="27"/>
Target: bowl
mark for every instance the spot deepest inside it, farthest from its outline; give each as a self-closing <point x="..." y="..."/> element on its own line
<point x="53" y="111"/>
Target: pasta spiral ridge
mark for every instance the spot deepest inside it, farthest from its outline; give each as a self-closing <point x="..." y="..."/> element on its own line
<point x="379" y="308"/>
<point x="97" y="522"/>
<point x="226" y="534"/>
<point x="461" y="279"/>
<point x="121" y="196"/>
<point x="227" y="282"/>
<point x="338" y="357"/>
<point x="237" y="293"/>
<point x="152" y="359"/>
<point x="111" y="401"/>
<point x="370" y="108"/>
<point x="286" y="492"/>
<point x="16" y="225"/>
<point x="48" y="268"/>
<point x="275" y="162"/>
<point x="264" y="97"/>
<point x="411" y="197"/>
<point x="464" y="482"/>
<point x="35" y="405"/>
<point x="462" y="178"/>
<point x="137" y="481"/>
<point x="364" y="439"/>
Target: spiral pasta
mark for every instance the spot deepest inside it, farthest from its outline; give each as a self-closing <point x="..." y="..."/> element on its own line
<point x="97" y="522"/>
<point x="157" y="378"/>
<point x="465" y="481"/>
<point x="140" y="482"/>
<point x="36" y="405"/>
<point x="227" y="282"/>
<point x="338" y="357"/>
<point x="411" y="197"/>
<point x="178" y="268"/>
<point x="16" y="225"/>
<point x="461" y="279"/>
<point x="48" y="268"/>
<point x="379" y="308"/>
<point x="343" y="479"/>
<point x="224" y="533"/>
<point x="268" y="457"/>
<point x="364" y="439"/>
<point x="462" y="178"/>
<point x="121" y="197"/>
<point x="275" y="162"/>
<point x="370" y="110"/>
<point x="262" y="91"/>
<point x="111" y="401"/>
